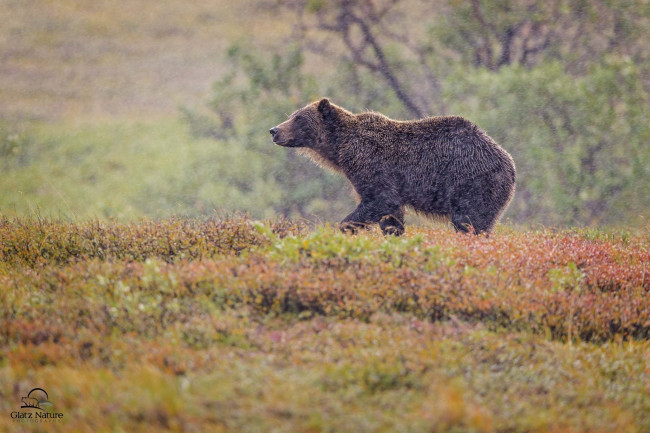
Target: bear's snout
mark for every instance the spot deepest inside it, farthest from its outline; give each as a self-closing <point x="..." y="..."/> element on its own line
<point x="279" y="135"/>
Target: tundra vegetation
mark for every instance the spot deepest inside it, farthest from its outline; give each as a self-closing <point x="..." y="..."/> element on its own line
<point x="241" y="325"/>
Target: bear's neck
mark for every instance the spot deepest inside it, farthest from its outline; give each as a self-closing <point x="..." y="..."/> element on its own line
<point x="323" y="158"/>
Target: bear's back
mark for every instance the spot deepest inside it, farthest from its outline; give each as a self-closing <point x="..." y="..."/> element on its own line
<point x="443" y="141"/>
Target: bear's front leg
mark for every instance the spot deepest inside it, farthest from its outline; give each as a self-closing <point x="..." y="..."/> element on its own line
<point x="390" y="217"/>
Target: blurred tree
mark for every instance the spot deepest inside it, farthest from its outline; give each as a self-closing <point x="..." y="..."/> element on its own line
<point x="580" y="143"/>
<point x="254" y="174"/>
<point x="412" y="56"/>
<point x="571" y="103"/>
<point x="371" y="35"/>
<point x="526" y="32"/>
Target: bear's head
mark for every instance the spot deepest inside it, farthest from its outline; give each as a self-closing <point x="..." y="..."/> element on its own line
<point x="304" y="127"/>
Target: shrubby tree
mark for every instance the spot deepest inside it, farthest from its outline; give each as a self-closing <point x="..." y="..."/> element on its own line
<point x="560" y="85"/>
<point x="580" y="143"/>
<point x="252" y="173"/>
<point x="373" y="38"/>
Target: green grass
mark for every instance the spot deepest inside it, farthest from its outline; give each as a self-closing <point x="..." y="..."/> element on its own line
<point x="240" y="325"/>
<point x="129" y="169"/>
<point x="117" y="169"/>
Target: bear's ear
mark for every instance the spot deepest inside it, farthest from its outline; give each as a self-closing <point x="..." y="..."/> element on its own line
<point x="324" y="107"/>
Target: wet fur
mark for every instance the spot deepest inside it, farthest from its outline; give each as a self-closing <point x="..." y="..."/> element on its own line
<point x="438" y="166"/>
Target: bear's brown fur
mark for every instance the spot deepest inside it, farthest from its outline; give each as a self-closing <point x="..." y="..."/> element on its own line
<point x="438" y="166"/>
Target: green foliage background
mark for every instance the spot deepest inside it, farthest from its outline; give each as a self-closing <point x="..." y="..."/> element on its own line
<point x="574" y="114"/>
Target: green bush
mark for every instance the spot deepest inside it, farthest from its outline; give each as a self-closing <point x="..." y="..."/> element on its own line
<point x="580" y="144"/>
<point x="252" y="173"/>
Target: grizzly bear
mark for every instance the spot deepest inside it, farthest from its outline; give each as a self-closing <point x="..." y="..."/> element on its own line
<point x="438" y="166"/>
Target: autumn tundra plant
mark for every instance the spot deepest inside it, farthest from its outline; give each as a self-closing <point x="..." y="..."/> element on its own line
<point x="563" y="284"/>
<point x="242" y="325"/>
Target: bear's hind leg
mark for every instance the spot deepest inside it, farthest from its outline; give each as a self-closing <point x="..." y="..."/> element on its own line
<point x="462" y="223"/>
<point x="472" y="223"/>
